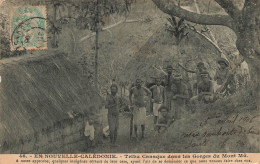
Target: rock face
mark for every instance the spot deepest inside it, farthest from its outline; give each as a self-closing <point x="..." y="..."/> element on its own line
<point x="44" y="99"/>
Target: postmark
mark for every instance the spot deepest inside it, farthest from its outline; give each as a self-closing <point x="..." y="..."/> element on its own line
<point x="28" y="28"/>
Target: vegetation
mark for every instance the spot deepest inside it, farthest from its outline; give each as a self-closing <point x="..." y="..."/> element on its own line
<point x="244" y="22"/>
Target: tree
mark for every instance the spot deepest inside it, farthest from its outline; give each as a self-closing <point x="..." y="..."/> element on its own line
<point x="244" y="22"/>
<point x="89" y="15"/>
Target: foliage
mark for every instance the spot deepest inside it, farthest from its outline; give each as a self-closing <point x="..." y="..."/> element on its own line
<point x="87" y="67"/>
<point x="54" y="28"/>
<point x="3" y="19"/>
<point x="5" y="48"/>
<point x="89" y="14"/>
<point x="177" y="29"/>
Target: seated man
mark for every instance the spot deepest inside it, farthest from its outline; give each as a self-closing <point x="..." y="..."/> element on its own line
<point x="164" y="120"/>
<point x="200" y="68"/>
<point x="205" y="88"/>
<point x="180" y="95"/>
<point x="225" y="78"/>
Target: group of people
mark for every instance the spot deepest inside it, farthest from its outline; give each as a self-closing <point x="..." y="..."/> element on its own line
<point x="168" y="96"/>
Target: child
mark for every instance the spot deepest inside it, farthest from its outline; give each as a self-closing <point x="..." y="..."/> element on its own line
<point x="158" y="97"/>
<point x="90" y="133"/>
<point x="164" y="120"/>
<point x="112" y="104"/>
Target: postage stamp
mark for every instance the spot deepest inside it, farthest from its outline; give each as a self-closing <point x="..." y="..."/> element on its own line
<point x="28" y="28"/>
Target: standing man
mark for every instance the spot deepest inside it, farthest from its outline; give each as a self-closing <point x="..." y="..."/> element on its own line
<point x="139" y="105"/>
<point x="158" y="97"/>
<point x="180" y="94"/>
<point x="200" y="68"/>
<point x="112" y="104"/>
<point x="167" y="85"/>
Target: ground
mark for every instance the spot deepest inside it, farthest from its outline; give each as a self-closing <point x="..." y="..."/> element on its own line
<point x="126" y="145"/>
<point x="227" y="125"/>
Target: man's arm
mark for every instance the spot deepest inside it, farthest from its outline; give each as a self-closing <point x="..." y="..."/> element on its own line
<point x="211" y="88"/>
<point x="107" y="102"/>
<point x="130" y="95"/>
<point x="163" y="94"/>
<point x="225" y="82"/>
<point x="152" y="88"/>
<point x="148" y="92"/>
<point x="216" y="75"/>
<point x="109" y="105"/>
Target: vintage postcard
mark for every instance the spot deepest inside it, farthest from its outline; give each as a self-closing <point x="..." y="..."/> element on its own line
<point x="130" y="76"/>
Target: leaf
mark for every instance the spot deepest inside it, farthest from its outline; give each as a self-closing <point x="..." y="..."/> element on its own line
<point x="174" y="21"/>
<point x="181" y="30"/>
<point x="180" y="22"/>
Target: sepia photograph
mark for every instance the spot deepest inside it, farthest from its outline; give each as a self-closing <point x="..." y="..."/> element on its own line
<point x="129" y="76"/>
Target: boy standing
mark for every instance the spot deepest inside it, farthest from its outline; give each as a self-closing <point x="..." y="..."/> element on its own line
<point x="112" y="104"/>
<point x="158" y="97"/>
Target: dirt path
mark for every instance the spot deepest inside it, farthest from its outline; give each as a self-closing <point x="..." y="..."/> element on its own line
<point x="126" y="145"/>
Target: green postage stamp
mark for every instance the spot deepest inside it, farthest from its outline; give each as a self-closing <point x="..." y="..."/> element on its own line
<point x="28" y="28"/>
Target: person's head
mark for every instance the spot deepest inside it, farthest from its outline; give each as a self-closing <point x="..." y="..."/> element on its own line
<point x="163" y="110"/>
<point x="169" y="69"/>
<point x="223" y="63"/>
<point x="113" y="89"/>
<point x="204" y="76"/>
<point x="138" y="82"/>
<point x="177" y="78"/>
<point x="158" y="81"/>
<point x="200" y="66"/>
<point x="91" y="121"/>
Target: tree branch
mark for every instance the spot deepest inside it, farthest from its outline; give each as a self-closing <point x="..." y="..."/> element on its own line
<point x="229" y="7"/>
<point x="109" y="27"/>
<point x="173" y="10"/>
<point x="160" y="69"/>
<point x="212" y="40"/>
<point x="185" y="69"/>
<point x="207" y="38"/>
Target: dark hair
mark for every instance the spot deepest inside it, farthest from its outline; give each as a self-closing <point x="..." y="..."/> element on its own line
<point x="223" y="60"/>
<point x="169" y="67"/>
<point x="200" y="63"/>
<point x="163" y="107"/>
<point x="113" y="85"/>
<point x="204" y="73"/>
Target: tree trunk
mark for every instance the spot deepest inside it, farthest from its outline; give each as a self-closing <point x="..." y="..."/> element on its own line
<point x="245" y="23"/>
<point x="246" y="46"/>
<point x="54" y="35"/>
<point x="96" y="45"/>
<point x="96" y="59"/>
